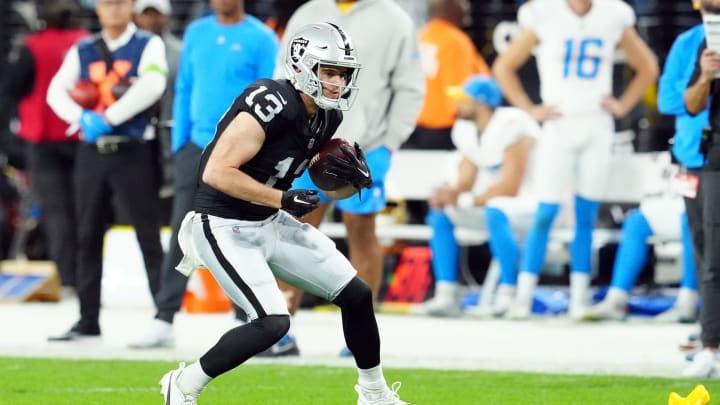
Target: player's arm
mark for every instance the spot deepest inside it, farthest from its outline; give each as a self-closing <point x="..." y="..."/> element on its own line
<point x="505" y="69"/>
<point x="467" y="174"/>
<point x="57" y="96"/>
<point x="240" y="142"/>
<point x="642" y="60"/>
<point x="447" y="194"/>
<point x="515" y="159"/>
<point x="697" y="94"/>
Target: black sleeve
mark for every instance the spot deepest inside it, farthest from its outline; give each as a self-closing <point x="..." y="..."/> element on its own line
<point x="20" y="74"/>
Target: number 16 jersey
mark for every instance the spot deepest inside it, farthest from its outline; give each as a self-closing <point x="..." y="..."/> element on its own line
<point x="291" y="139"/>
<point x="575" y="53"/>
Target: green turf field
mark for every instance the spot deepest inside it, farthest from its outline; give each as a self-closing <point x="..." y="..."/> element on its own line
<point x="54" y="381"/>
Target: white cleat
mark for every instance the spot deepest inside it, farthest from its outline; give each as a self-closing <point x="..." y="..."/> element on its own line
<point x="577" y="312"/>
<point x="704" y="365"/>
<point x="604" y="311"/>
<point x="438" y="306"/>
<point x="480" y="311"/>
<point x="385" y="396"/>
<point x="496" y="309"/>
<point x="171" y="391"/>
<point x="518" y="312"/>
<point x="676" y="314"/>
<point x="158" y="335"/>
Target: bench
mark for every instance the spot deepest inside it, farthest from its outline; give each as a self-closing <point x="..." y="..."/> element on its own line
<point x="413" y="175"/>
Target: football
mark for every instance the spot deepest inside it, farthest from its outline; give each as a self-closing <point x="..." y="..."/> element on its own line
<point x="85" y="93"/>
<point x="320" y="163"/>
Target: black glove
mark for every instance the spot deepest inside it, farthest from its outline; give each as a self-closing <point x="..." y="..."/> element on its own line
<point x="353" y="168"/>
<point x="299" y="202"/>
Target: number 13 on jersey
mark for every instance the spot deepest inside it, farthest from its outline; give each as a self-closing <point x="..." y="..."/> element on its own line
<point x="583" y="56"/>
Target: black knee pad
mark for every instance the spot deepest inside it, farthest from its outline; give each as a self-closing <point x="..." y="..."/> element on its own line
<point x="356" y="292"/>
<point x="272" y="326"/>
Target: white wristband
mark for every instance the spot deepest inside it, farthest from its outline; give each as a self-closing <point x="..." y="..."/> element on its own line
<point x="466" y="200"/>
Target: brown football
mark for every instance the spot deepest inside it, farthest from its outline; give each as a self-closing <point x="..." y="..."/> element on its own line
<point x="319" y="165"/>
<point x="85" y="93"/>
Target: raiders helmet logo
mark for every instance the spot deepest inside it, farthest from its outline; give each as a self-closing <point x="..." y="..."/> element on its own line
<point x="297" y="49"/>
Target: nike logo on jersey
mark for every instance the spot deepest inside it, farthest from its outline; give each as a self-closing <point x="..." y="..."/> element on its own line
<point x="300" y="201"/>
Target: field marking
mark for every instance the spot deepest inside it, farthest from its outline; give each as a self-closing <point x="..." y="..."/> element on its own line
<point x="89" y="390"/>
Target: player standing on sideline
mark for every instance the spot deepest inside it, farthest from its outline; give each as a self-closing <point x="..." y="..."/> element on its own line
<point x="575" y="61"/>
<point x="660" y="214"/>
<point x="384" y="116"/>
<point x="703" y="201"/>
<point x="243" y="227"/>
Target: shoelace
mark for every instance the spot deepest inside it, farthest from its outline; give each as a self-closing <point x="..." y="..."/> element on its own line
<point x="394" y="388"/>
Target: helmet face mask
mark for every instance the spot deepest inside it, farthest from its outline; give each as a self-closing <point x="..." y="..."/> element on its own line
<point x="318" y="46"/>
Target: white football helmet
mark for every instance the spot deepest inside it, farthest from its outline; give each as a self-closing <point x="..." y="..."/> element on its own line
<point x="316" y="45"/>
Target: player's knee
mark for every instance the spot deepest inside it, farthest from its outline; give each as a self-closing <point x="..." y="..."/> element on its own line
<point x="635" y="223"/>
<point x="438" y="219"/>
<point x="546" y="215"/>
<point x="273" y="327"/>
<point x="356" y="293"/>
<point x="585" y="211"/>
<point x="360" y="230"/>
<point x="494" y="218"/>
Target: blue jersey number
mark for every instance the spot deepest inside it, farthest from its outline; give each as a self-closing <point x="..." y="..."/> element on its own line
<point x="587" y="66"/>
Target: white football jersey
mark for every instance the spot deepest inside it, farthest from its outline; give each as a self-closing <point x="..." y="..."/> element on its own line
<point x="575" y="53"/>
<point x="506" y="127"/>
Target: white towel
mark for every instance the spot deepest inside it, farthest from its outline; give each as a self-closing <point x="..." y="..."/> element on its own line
<point x="190" y="261"/>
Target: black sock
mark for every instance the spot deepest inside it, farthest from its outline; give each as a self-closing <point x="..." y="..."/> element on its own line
<point x="240" y="343"/>
<point x="359" y="324"/>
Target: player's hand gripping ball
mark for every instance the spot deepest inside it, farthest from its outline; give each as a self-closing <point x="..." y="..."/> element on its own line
<point x="337" y="165"/>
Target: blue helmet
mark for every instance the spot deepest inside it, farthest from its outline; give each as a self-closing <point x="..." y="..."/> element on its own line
<point x="479" y="88"/>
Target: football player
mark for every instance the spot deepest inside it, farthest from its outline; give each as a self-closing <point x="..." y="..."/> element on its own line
<point x="495" y="142"/>
<point x="244" y="226"/>
<point x="575" y="57"/>
<point x="661" y="213"/>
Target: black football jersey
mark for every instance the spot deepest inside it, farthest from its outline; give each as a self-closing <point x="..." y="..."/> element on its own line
<point x="291" y="139"/>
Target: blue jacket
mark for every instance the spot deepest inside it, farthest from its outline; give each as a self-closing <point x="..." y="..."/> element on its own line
<point x="676" y="75"/>
<point x="217" y="62"/>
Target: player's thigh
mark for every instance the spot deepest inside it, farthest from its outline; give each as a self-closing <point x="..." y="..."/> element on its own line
<point x="520" y="211"/>
<point x="595" y="159"/>
<point x="372" y="200"/>
<point x="554" y="165"/>
<point x="307" y="259"/>
<point x="234" y="252"/>
<point x="471" y="218"/>
<point x="663" y="215"/>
